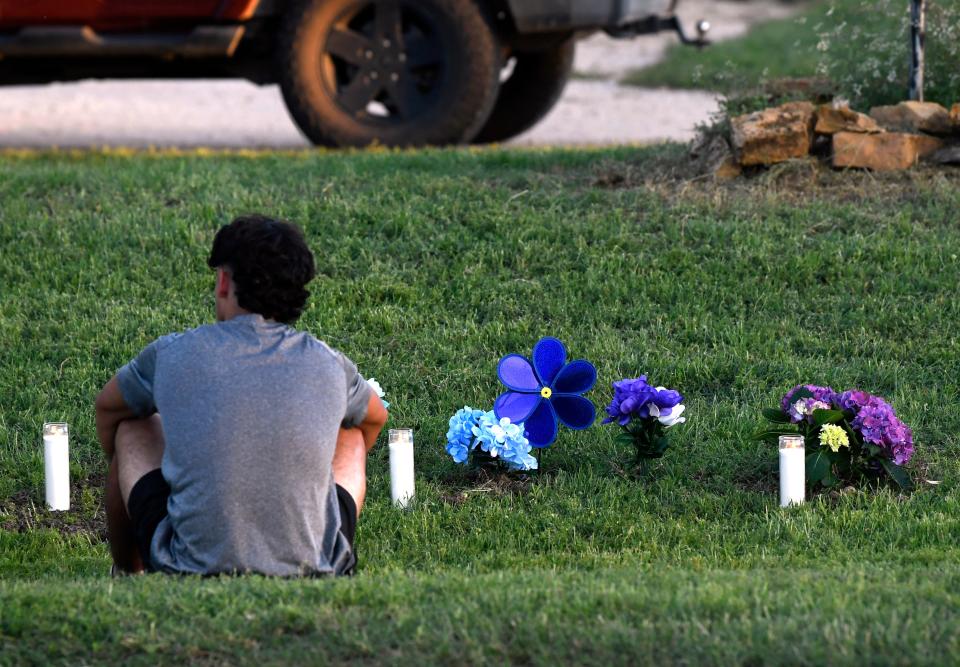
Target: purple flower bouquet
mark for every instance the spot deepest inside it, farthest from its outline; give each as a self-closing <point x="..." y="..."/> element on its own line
<point x="850" y="436"/>
<point x="644" y="412"/>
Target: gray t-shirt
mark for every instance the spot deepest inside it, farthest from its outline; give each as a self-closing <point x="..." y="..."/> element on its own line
<point x="250" y="411"/>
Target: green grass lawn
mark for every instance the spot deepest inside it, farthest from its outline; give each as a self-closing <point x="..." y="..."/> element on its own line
<point x="431" y="266"/>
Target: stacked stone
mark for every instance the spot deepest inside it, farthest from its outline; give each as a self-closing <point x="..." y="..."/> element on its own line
<point x="888" y="138"/>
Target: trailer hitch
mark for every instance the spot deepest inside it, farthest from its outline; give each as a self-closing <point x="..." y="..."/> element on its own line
<point x="654" y="24"/>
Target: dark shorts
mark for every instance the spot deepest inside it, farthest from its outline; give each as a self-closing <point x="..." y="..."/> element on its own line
<point x="148" y="505"/>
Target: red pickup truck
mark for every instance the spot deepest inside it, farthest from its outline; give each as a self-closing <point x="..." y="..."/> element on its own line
<point x="352" y="72"/>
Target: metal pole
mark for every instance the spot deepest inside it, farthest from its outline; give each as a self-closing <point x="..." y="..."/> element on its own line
<point x="918" y="29"/>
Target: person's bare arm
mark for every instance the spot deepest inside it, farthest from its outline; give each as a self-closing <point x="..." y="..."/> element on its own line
<point x="110" y="411"/>
<point x="373" y="423"/>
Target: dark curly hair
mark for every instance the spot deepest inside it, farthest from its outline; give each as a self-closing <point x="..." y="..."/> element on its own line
<point x="269" y="262"/>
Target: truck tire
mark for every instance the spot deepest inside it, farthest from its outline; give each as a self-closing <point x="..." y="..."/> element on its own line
<point x="391" y="72"/>
<point x="537" y="81"/>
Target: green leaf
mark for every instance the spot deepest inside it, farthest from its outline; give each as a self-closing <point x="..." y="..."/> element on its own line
<point x="842" y="462"/>
<point x="660" y="446"/>
<point x="818" y="467"/>
<point x="897" y="474"/>
<point x="776" y="416"/>
<point x="854" y="436"/>
<point x="821" y="417"/>
<point x="624" y="439"/>
<point x="800" y="393"/>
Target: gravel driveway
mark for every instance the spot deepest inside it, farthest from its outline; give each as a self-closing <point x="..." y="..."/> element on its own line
<point x="594" y="109"/>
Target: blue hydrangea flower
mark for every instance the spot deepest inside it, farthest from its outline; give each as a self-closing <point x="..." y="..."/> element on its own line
<point x="458" y="451"/>
<point x="518" y="456"/>
<point x="503" y="439"/>
<point x="546" y="391"/>
<point x="460" y="434"/>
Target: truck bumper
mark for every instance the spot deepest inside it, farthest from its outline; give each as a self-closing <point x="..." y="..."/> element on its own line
<point x="553" y="15"/>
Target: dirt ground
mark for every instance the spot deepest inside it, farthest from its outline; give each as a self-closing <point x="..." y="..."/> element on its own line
<point x="594" y="109"/>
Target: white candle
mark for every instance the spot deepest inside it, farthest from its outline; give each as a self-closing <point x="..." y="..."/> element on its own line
<point x="401" y="466"/>
<point x="793" y="465"/>
<point x="56" y="465"/>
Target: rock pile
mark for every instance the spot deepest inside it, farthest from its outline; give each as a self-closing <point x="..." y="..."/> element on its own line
<point x="888" y="138"/>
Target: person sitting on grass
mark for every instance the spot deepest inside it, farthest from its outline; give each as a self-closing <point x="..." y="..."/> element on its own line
<point x="240" y="446"/>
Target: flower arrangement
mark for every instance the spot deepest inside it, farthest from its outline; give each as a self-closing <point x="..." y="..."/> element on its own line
<point x="543" y="392"/>
<point x="645" y="412"/>
<point x="496" y="438"/>
<point x="848" y="436"/>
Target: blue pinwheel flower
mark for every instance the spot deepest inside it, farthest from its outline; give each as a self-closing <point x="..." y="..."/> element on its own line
<point x="546" y="391"/>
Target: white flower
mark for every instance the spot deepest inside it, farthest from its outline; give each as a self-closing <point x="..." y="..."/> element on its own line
<point x="378" y="390"/>
<point x="800" y="407"/>
<point x="670" y="419"/>
<point x="376" y="387"/>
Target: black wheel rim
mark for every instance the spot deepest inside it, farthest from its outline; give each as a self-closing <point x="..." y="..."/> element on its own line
<point x="384" y="61"/>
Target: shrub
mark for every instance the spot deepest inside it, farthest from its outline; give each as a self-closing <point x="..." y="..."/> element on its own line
<point x="864" y="50"/>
